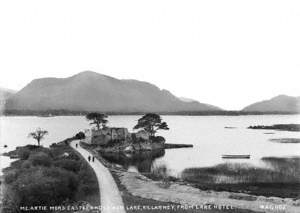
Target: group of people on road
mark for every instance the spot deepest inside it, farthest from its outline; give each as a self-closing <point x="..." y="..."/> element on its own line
<point x="89" y="157"/>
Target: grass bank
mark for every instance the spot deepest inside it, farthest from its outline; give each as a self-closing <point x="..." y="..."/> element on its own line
<point x="281" y="179"/>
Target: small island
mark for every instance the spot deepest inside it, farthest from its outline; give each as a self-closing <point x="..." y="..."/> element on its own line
<point x="119" y="140"/>
<point x="281" y="127"/>
<point x="285" y="140"/>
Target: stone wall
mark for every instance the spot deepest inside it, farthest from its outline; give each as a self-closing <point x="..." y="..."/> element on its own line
<point x="120" y="137"/>
<point x="106" y="135"/>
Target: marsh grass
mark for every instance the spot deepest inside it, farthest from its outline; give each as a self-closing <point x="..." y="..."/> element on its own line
<point x="279" y="178"/>
<point x="240" y="173"/>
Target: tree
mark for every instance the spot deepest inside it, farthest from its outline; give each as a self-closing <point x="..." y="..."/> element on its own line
<point x="38" y="135"/>
<point x="151" y="123"/>
<point x="98" y="119"/>
<point x="80" y="135"/>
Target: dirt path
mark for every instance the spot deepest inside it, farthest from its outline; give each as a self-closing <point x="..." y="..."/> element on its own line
<point x="111" y="200"/>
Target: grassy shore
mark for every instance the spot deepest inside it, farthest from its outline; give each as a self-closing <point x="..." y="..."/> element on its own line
<point x="281" y="179"/>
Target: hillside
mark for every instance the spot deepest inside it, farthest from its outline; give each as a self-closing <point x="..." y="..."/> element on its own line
<point x="89" y="91"/>
<point x="281" y="103"/>
<point x="5" y="93"/>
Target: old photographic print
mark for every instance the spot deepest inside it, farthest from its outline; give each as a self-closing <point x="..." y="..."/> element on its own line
<point x="150" y="106"/>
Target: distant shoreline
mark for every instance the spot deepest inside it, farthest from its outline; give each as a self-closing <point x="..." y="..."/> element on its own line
<point x="50" y="113"/>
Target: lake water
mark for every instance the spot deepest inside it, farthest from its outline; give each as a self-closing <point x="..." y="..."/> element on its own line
<point x="207" y="133"/>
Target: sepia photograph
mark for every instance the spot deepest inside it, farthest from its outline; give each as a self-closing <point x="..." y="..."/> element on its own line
<point x="150" y="106"/>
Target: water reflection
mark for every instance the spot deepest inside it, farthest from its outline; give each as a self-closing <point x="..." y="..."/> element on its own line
<point x="142" y="161"/>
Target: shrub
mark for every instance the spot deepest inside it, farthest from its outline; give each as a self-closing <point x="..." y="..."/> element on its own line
<point x="73" y="156"/>
<point x="26" y="164"/>
<point x="157" y="139"/>
<point x="44" y="186"/>
<point x="80" y="135"/>
<point x="10" y="176"/>
<point x="40" y="159"/>
<point x="31" y="147"/>
<point x="68" y="164"/>
<point x="16" y="164"/>
<point x="88" y="183"/>
<point x="58" y="152"/>
<point x="24" y="154"/>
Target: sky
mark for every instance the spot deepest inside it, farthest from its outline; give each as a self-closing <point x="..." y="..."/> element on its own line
<point x="225" y="53"/>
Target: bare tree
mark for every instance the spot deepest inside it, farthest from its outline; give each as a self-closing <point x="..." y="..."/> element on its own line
<point x="38" y="135"/>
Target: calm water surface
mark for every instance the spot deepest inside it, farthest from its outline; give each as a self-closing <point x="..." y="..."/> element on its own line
<point x="207" y="133"/>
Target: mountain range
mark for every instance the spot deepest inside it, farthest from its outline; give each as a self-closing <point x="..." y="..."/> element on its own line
<point x="91" y="91"/>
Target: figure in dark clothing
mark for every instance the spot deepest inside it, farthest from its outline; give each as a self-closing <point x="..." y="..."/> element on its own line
<point x="89" y="158"/>
<point x="93" y="159"/>
<point x="77" y="145"/>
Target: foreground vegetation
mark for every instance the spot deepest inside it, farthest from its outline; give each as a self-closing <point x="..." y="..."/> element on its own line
<point x="281" y="179"/>
<point x="49" y="177"/>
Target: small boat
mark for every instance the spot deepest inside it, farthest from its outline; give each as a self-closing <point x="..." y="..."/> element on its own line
<point x="236" y="156"/>
<point x="46" y="116"/>
<point x="230" y="127"/>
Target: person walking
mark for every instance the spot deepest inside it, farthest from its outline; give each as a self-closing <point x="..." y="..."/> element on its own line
<point x="77" y="145"/>
<point x="89" y="158"/>
<point x="93" y="159"/>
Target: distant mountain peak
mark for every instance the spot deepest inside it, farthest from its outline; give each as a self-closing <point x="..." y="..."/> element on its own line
<point x="90" y="74"/>
<point x="280" y="103"/>
<point x="282" y="96"/>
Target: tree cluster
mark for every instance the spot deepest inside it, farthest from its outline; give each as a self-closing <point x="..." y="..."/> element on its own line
<point x="150" y="122"/>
